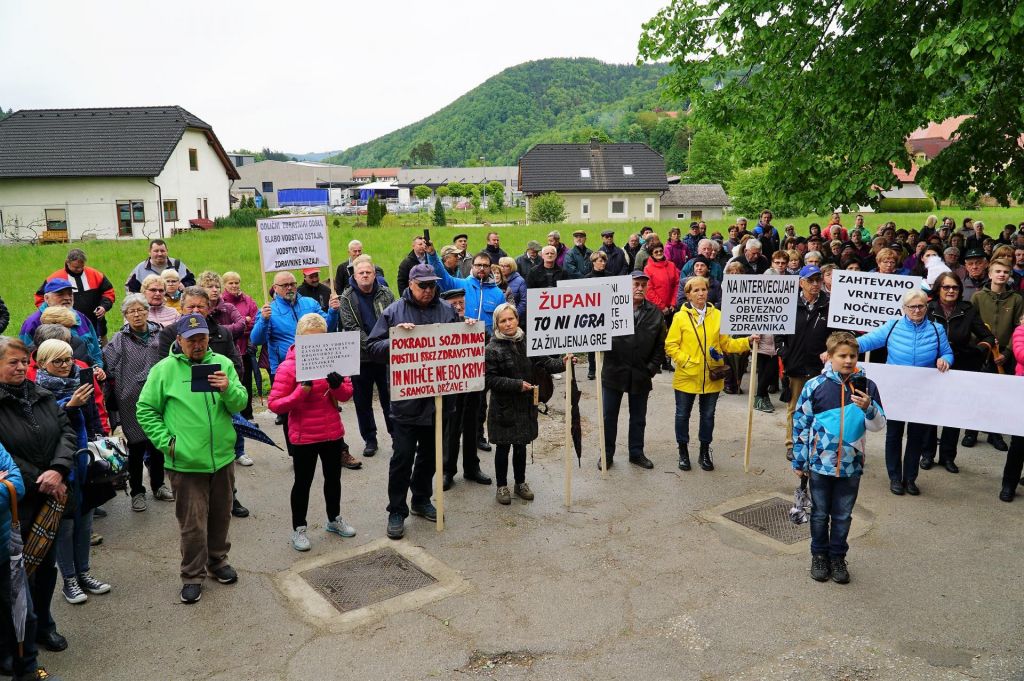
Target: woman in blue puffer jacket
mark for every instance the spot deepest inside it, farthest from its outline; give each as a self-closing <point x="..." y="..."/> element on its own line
<point x="911" y="340"/>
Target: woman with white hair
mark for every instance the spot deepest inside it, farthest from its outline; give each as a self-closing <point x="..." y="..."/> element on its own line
<point x="315" y="431"/>
<point x="910" y="340"/>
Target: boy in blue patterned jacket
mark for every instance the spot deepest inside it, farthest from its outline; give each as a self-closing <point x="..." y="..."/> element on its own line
<point x="834" y="411"/>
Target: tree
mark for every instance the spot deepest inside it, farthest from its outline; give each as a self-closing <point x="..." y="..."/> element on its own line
<point x="496" y="196"/>
<point x="443" y="191"/>
<point x="752" y="191"/>
<point x="438" y="218"/>
<point x="374" y="212"/>
<point x="548" y="207"/>
<point x="825" y="94"/>
<point x="709" y="160"/>
<point x="474" y="197"/>
<point x="422" y="153"/>
<point x="422" y="192"/>
<point x="457" y="189"/>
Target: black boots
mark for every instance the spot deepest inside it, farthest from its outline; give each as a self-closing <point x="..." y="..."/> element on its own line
<point x="705" y="457"/>
<point x="684" y="457"/>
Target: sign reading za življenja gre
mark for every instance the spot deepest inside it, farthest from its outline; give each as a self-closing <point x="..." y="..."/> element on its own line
<point x="757" y="303"/>
<point x="318" y="354"/>
<point x="293" y="242"/>
<point x="562" y="320"/>
<point x="436" y="359"/>
<point x="861" y="301"/>
<point x="621" y="291"/>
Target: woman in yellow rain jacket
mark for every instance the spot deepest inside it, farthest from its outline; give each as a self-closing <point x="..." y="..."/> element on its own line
<point x="697" y="346"/>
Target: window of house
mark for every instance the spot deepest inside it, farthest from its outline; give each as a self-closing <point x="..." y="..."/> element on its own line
<point x="585" y="173"/>
<point x="627" y="170"/>
<point x="617" y="208"/>
<point x="585" y="208"/>
<point x="57" y="219"/>
<point x="124" y="218"/>
<point x="138" y="212"/>
<point x="696" y="214"/>
<point x="199" y="208"/>
<point x="170" y="211"/>
<point x="268" y="187"/>
<point x="680" y="216"/>
<point x="193" y="159"/>
<point x="648" y="206"/>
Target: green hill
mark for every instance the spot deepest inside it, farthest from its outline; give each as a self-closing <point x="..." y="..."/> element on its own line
<point x="551" y="100"/>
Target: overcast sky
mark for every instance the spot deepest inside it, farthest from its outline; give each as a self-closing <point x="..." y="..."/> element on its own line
<point x="297" y="76"/>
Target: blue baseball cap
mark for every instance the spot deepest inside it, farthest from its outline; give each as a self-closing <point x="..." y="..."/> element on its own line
<point x="192" y="324"/>
<point x="55" y="285"/>
<point x="808" y="271"/>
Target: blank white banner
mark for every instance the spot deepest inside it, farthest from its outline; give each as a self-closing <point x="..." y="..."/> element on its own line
<point x="964" y="399"/>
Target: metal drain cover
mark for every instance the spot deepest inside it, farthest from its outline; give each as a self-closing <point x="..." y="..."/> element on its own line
<point x="771" y="518"/>
<point x="367" y="579"/>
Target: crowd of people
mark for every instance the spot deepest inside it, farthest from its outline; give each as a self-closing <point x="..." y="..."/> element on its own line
<point x="67" y="380"/>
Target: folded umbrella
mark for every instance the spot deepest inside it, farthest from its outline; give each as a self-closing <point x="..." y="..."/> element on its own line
<point x="42" y="533"/>
<point x="19" y="580"/>
<point x="576" y="427"/>
<point x="246" y="428"/>
<point x="801" y="511"/>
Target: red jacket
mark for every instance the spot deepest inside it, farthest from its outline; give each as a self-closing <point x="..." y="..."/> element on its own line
<point x="98" y="287"/>
<point x="312" y="415"/>
<point x="661" y="291"/>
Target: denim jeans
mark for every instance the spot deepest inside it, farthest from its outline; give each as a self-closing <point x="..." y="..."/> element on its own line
<point x="73" y="544"/>
<point x="371" y="374"/>
<point x="412" y="466"/>
<point x="684" y="405"/>
<point x="904" y="466"/>
<point x="637" y="421"/>
<point x="832" y="501"/>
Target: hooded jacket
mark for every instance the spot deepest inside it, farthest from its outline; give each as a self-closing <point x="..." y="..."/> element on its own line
<point x="278" y="332"/>
<point x="192" y="429"/>
<point x="51" y="446"/>
<point x="92" y="289"/>
<point x="698" y="345"/>
<point x="909" y="344"/>
<point x="825" y="416"/>
<point x="1001" y="311"/>
<point x="482" y="297"/>
<point x="664" y="282"/>
<point x="312" y="414"/>
<point x="85" y="330"/>
<point x="8" y="466"/>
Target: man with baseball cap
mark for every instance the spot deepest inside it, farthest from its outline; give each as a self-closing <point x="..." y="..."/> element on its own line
<point x="312" y="288"/>
<point x="60" y="293"/>
<point x="412" y="458"/>
<point x="529" y="259"/>
<point x="803" y="351"/>
<point x="186" y="414"/>
<point x="976" y="265"/>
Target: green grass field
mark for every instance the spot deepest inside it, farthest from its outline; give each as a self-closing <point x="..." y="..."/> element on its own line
<point x="23" y="267"/>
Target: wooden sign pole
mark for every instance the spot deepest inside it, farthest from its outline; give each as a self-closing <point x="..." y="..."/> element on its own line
<point x="568" y="433"/>
<point x="439" y="461"/>
<point x="750" y="404"/>
<point x="600" y="413"/>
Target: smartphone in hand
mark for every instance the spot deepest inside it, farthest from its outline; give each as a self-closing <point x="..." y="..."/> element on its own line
<point x="86" y="376"/>
<point x="859" y="383"/>
<point x="201" y="377"/>
<point x="426" y="235"/>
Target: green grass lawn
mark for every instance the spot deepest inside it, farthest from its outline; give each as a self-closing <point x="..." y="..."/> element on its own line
<point x="22" y="267"/>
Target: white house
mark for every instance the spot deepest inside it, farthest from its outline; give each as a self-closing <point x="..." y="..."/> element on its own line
<point x="136" y="172"/>
<point x="694" y="202"/>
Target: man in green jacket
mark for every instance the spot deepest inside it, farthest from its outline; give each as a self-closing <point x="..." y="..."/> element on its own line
<point x="194" y="431"/>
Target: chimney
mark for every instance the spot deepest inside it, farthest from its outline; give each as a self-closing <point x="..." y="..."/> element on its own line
<point x="595" y="144"/>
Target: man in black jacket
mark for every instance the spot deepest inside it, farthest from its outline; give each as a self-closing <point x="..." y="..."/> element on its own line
<point x="628" y="368"/>
<point x="417" y="256"/>
<point x="548" y="273"/>
<point x="803" y="352"/>
<point x="617" y="265"/>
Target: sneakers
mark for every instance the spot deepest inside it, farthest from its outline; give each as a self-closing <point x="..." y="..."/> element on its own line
<point x="72" y="592"/>
<point x="821" y="570"/>
<point x="426" y="510"/>
<point x="163" y="493"/>
<point x="840" y="573"/>
<point x="340" y="528"/>
<point x="396" y="526"/>
<point x="300" y="542"/>
<point x="95" y="539"/>
<point x="139" y="502"/>
<point x="191" y="593"/>
<point x="225" y="574"/>
<point x="764" y="404"/>
<point x="523" y="491"/>
<point x="349" y="461"/>
<point x="93" y="585"/>
<point x="503" y="496"/>
<point x="244" y="460"/>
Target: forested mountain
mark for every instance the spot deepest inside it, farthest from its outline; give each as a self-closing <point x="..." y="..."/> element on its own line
<point x="551" y="100"/>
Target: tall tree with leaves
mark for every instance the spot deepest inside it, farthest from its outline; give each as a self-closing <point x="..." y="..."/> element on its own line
<point x="421" y="192"/>
<point x="709" y="160"/>
<point x="548" y="207"/>
<point x="825" y="94"/>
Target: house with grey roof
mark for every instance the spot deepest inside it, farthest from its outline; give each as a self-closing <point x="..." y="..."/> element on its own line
<point x="135" y="172"/>
<point x="694" y="202"/>
<point x="599" y="182"/>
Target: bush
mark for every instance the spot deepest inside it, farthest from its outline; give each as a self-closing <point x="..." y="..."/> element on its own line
<point x="246" y="217"/>
<point x="438" y="218"/>
<point x="906" y="205"/>
<point x="548" y="207"/>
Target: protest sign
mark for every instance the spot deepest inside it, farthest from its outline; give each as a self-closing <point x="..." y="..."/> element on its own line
<point x="436" y="359"/>
<point x="293" y="242"/>
<point x="318" y="354"/>
<point x="621" y="291"/>
<point x="975" y="401"/>
<point x="568" y="320"/>
<point x="757" y="303"/>
<point x="861" y="301"/>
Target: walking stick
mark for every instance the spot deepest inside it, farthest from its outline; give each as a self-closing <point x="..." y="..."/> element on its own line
<point x="439" y="462"/>
<point x="751" y="389"/>
<point x="568" y="433"/>
<point x="599" y="355"/>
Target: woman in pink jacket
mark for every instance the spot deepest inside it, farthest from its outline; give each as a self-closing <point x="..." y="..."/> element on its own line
<point x="314" y="430"/>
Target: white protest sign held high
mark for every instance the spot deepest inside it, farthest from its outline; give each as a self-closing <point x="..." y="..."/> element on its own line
<point x="437" y="359"/>
<point x="575" y="319"/>
<point x="293" y="242"/>
<point x="318" y="354"/>
<point x="758" y="303"/>
<point x="965" y="399"/>
<point x="861" y="301"/>
<point x="621" y="291"/>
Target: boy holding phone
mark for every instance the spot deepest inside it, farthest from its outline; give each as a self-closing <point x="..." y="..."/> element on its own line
<point x="833" y="413"/>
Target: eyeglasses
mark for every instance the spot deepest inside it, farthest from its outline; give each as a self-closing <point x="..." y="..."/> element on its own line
<point x="62" y="362"/>
<point x="138" y="310"/>
<point x="291" y="285"/>
<point x="426" y="285"/>
<point x="950" y="287"/>
<point x="915" y="308"/>
<point x="481" y="264"/>
<point x="156" y="290"/>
